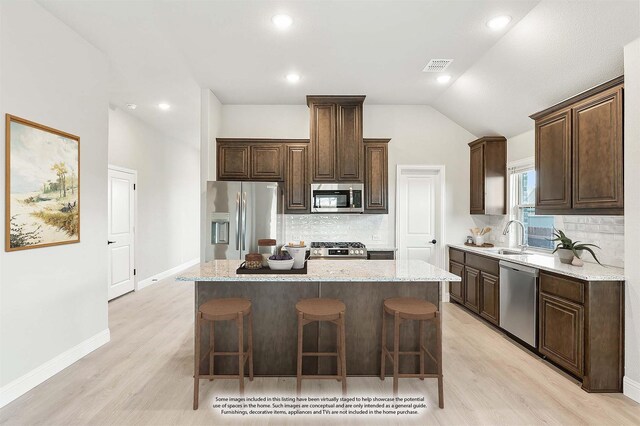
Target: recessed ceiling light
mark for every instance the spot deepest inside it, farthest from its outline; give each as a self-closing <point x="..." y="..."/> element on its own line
<point x="282" y="22"/>
<point x="444" y="78"/>
<point x="293" y="78"/>
<point x="499" y="22"/>
<point x="132" y="106"/>
<point x="164" y="106"/>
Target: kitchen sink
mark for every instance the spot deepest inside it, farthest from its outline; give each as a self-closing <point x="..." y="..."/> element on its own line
<point x="513" y="252"/>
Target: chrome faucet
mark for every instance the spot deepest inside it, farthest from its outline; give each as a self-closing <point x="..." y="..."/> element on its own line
<point x="523" y="243"/>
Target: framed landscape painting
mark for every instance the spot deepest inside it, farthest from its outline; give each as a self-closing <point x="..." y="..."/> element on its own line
<point x="42" y="194"/>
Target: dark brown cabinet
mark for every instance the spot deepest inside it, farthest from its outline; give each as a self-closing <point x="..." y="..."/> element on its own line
<point x="376" y="179"/>
<point x="581" y="329"/>
<point x="266" y="162"/>
<point x="296" y="194"/>
<point x="479" y="289"/>
<point x="233" y="161"/>
<point x="456" y="288"/>
<point x="337" y="152"/>
<point x="580" y="323"/>
<point x="381" y="255"/>
<point x="269" y="160"/>
<point x="323" y="142"/>
<point x="597" y="151"/>
<point x="488" y="175"/>
<point x="472" y="288"/>
<point x="350" y="159"/>
<point x="579" y="153"/>
<point x="490" y="297"/>
<point x="561" y="328"/>
<point x="553" y="161"/>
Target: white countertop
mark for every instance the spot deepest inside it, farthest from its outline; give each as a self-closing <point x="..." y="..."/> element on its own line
<point x="327" y="270"/>
<point x="547" y="262"/>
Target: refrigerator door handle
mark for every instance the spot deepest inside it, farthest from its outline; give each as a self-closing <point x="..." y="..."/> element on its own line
<point x="238" y="221"/>
<point x="244" y="221"/>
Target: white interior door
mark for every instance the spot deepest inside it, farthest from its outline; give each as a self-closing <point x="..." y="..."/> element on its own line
<point x="121" y="232"/>
<point x="417" y="214"/>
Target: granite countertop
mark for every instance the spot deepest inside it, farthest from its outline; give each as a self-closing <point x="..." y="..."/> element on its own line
<point x="327" y="270"/>
<point x="547" y="262"/>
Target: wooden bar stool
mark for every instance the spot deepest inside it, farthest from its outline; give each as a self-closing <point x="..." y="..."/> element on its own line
<point x="404" y="309"/>
<point x="234" y="309"/>
<point x="331" y="310"/>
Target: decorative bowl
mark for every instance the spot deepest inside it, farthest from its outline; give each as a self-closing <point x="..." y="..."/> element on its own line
<point x="281" y="265"/>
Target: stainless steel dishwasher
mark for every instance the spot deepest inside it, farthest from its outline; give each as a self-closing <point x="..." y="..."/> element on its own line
<point x="518" y="293"/>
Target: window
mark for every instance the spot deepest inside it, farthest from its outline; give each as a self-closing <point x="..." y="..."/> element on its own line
<point x="538" y="228"/>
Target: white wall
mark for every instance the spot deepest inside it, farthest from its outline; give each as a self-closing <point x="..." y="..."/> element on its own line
<point x="210" y="123"/>
<point x="632" y="217"/>
<point x="419" y="135"/>
<point x="53" y="301"/>
<point x="168" y="198"/>
<point x="521" y="146"/>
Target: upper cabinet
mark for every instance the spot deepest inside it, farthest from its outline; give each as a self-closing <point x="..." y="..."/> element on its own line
<point x="232" y="161"/>
<point x="376" y="177"/>
<point x="269" y="160"/>
<point x="553" y="161"/>
<point x="297" y="189"/>
<point x="579" y="153"/>
<point x="488" y="173"/>
<point x="337" y="151"/>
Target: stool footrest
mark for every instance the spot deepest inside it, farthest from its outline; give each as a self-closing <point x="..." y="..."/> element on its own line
<point x="418" y="376"/>
<point x="321" y="377"/>
<point x="220" y="376"/>
<point x="320" y="354"/>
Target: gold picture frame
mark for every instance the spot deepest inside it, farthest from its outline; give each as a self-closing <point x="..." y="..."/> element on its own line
<point x="42" y="185"/>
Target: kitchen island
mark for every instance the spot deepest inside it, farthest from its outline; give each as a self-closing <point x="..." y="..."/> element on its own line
<point x="361" y="284"/>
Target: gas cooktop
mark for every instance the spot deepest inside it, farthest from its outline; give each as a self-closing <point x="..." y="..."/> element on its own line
<point x="338" y="250"/>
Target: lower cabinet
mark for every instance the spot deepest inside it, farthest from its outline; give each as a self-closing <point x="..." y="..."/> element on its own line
<point x="456" y="288"/>
<point x="472" y="289"/>
<point x="561" y="332"/>
<point x="490" y="297"/>
<point x="381" y="255"/>
<point x="580" y="323"/>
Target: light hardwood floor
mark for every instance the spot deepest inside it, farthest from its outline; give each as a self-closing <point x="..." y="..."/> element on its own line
<point x="144" y="376"/>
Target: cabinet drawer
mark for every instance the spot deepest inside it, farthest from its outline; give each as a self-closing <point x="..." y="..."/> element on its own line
<point x="562" y="287"/>
<point x="483" y="263"/>
<point x="456" y="255"/>
<point x="381" y="255"/>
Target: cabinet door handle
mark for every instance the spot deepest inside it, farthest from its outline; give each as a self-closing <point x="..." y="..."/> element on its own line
<point x="110" y="242"/>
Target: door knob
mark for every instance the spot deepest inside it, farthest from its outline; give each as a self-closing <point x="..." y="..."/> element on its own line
<point x="433" y="241"/>
<point x="110" y="242"/>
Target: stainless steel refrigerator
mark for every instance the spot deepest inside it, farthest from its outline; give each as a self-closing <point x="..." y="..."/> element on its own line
<point x="239" y="214"/>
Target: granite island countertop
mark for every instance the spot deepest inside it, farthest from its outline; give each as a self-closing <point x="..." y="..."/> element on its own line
<point x="325" y="271"/>
<point x="547" y="262"/>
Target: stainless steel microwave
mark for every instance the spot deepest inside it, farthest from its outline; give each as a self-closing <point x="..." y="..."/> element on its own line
<point x="337" y="198"/>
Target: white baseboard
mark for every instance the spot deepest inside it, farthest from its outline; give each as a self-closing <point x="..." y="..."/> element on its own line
<point x="33" y="378"/>
<point x="162" y="275"/>
<point x="631" y="388"/>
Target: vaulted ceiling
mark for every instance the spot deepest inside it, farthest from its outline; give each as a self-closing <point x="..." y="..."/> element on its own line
<point x="166" y="51"/>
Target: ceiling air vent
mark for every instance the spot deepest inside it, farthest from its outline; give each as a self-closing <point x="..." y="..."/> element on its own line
<point x="437" y="65"/>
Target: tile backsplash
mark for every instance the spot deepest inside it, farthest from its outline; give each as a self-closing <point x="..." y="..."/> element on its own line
<point x="370" y="229"/>
<point x="607" y="232"/>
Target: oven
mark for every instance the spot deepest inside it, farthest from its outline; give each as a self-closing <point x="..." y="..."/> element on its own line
<point x="337" y="198"/>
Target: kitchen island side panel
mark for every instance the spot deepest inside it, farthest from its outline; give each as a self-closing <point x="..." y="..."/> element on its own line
<point x="275" y="325"/>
